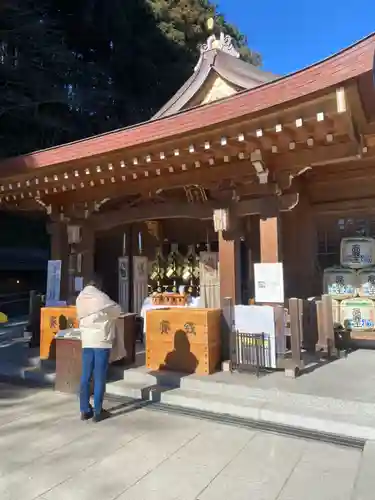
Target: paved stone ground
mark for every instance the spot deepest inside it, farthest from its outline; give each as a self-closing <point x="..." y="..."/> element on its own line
<point x="46" y="453"/>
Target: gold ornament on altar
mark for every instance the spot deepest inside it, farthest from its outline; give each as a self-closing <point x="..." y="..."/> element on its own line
<point x="157" y="267"/>
<point x="190" y="270"/>
<point x="153" y="228"/>
<point x="157" y="271"/>
<point x="195" y="193"/>
<point x="174" y="263"/>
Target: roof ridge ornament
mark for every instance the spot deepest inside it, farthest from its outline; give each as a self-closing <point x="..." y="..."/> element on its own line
<point x="223" y="43"/>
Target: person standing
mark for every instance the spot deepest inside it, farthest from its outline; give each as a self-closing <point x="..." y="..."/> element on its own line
<point x="97" y="315"/>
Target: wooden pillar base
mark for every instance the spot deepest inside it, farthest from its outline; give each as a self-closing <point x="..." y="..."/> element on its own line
<point x="270" y="245"/>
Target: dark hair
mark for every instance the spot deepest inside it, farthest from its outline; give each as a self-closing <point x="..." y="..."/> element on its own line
<point x="96" y="281"/>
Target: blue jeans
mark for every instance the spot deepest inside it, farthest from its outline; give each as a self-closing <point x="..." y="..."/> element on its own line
<point x="94" y="363"/>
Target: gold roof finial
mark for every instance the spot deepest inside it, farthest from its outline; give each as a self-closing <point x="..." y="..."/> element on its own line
<point x="223" y="42"/>
<point x="210" y="23"/>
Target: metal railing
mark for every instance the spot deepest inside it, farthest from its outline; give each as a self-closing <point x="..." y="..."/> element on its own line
<point x="251" y="352"/>
<point x="15" y="305"/>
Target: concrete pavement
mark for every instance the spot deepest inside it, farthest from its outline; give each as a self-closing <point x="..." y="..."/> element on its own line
<point x="337" y="399"/>
<point x="46" y="453"/>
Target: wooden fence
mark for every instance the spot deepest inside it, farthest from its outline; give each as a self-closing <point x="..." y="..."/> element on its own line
<point x="311" y="329"/>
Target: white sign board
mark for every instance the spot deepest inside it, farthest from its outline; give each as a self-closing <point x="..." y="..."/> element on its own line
<point x="78" y="283"/>
<point x="258" y="320"/>
<point x="53" y="282"/>
<point x="269" y="283"/>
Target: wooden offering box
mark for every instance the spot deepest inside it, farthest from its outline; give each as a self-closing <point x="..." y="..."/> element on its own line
<point x="183" y="339"/>
<point x="52" y="320"/>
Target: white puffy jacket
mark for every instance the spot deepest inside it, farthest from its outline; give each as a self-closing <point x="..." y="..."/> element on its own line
<point x="97" y="315"/>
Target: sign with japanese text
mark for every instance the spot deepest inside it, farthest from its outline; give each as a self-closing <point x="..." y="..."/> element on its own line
<point x="53" y="282"/>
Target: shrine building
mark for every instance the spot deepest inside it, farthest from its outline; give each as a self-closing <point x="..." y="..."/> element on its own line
<point x="240" y="163"/>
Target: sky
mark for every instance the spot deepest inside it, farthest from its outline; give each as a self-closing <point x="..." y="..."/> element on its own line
<point x="292" y="34"/>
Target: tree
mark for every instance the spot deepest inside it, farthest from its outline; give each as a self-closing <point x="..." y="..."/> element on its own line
<point x="74" y="68"/>
<point x="185" y="22"/>
<point x="34" y="65"/>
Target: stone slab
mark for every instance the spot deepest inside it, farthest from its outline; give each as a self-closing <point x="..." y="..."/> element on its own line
<point x="47" y="453"/>
<point x="364" y="488"/>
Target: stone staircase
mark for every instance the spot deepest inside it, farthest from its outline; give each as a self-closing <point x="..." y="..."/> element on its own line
<point x="325" y="417"/>
<point x="17" y="361"/>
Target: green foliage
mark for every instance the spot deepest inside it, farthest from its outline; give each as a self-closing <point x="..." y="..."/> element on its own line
<point x="74" y="68"/>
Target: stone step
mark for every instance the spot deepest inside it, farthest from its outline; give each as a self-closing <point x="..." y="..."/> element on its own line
<point x="142" y="375"/>
<point x="292" y="398"/>
<point x="232" y="386"/>
<point x="10" y="372"/>
<point x="301" y="417"/>
<point x="34" y="361"/>
<point x="135" y="390"/>
<point x="365" y="483"/>
<point x="236" y="387"/>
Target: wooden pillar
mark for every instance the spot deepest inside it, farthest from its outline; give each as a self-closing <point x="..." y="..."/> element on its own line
<point x="59" y="250"/>
<point x="87" y="250"/>
<point x="229" y="267"/>
<point x="270" y="238"/>
<point x="230" y="285"/>
<point x="300" y="250"/>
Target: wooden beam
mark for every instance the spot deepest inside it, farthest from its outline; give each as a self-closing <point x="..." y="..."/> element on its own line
<point x="345" y="207"/>
<point x="123" y="215"/>
<point x="354" y="164"/>
<point x="356" y="108"/>
<point x="202" y="175"/>
<point x="319" y="155"/>
<point x="343" y="175"/>
<point x="344" y="191"/>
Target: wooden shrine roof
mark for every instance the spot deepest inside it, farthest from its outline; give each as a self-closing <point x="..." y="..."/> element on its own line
<point x="237" y="72"/>
<point x="282" y="128"/>
<point x="347" y="64"/>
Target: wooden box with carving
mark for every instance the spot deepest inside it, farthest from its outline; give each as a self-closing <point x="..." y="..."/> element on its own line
<point x="169" y="299"/>
<point x="183" y="339"/>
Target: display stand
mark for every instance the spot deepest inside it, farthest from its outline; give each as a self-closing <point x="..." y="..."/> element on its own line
<point x="209" y="279"/>
<point x="123" y="283"/>
<point x="140" y="282"/>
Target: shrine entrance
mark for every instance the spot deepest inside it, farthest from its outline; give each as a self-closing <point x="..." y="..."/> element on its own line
<point x="170" y="249"/>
